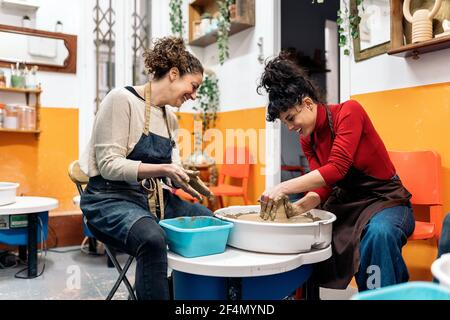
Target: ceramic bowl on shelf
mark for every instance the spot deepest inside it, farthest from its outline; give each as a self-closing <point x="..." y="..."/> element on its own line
<point x="8" y="191"/>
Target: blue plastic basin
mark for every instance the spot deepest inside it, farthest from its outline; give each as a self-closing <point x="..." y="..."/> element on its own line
<point x="417" y="290"/>
<point x="196" y="236"/>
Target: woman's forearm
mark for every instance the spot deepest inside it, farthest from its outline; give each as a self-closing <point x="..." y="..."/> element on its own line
<point x="149" y="170"/>
<point x="307" y="182"/>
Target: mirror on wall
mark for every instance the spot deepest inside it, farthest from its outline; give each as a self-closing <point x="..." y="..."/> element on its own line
<point x="374" y="28"/>
<point x="51" y="51"/>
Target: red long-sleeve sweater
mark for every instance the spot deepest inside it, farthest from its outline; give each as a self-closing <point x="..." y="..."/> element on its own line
<point x="356" y="144"/>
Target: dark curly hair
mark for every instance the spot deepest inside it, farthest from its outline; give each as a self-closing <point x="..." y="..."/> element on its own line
<point x="287" y="84"/>
<point x="169" y="52"/>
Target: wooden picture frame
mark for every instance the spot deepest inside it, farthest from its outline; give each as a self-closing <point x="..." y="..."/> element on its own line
<point x="70" y="42"/>
<point x="364" y="54"/>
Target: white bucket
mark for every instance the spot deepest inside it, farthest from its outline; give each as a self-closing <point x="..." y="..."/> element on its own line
<point x="441" y="270"/>
<point x="8" y="191"/>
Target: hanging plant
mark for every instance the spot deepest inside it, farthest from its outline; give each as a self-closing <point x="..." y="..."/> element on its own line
<point x="348" y="25"/>
<point x="348" y="22"/>
<point x="176" y="18"/>
<point x="223" y="29"/>
<point x="208" y="101"/>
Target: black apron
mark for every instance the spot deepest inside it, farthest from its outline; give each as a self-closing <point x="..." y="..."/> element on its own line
<point x="114" y="206"/>
<point x="354" y="200"/>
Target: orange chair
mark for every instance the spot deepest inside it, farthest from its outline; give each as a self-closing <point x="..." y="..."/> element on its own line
<point x="184" y="195"/>
<point x="421" y="174"/>
<point x="233" y="170"/>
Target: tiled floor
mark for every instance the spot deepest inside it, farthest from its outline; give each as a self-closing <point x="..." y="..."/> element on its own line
<point x="72" y="274"/>
<point x="68" y="274"/>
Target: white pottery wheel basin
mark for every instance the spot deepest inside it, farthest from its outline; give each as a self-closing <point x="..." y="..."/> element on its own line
<point x="273" y="237"/>
<point x="8" y="191"/>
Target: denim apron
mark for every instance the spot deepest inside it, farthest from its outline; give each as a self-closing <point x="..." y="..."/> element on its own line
<point x="354" y="200"/>
<point x="114" y="206"/>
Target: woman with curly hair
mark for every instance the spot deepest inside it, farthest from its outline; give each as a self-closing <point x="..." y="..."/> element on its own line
<point x="351" y="176"/>
<point x="132" y="159"/>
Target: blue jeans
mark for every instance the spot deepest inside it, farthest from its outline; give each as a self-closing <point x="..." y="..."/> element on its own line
<point x="146" y="241"/>
<point x="381" y="261"/>
<point x="444" y="241"/>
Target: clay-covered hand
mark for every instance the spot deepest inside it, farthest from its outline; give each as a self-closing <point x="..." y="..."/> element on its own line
<point x="180" y="179"/>
<point x="197" y="184"/>
<point x="278" y="209"/>
<point x="292" y="209"/>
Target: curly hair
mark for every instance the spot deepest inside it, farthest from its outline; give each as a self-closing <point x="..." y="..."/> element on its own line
<point x="287" y="84"/>
<point x="169" y="52"/>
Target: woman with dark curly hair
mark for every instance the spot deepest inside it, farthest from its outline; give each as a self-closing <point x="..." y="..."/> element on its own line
<point x="131" y="151"/>
<point x="351" y="176"/>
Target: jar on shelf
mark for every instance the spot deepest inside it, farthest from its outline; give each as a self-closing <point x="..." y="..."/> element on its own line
<point x="22" y="118"/>
<point x="2" y="114"/>
<point x="11" y="117"/>
<point x="2" y="79"/>
<point x="32" y="118"/>
<point x="29" y="115"/>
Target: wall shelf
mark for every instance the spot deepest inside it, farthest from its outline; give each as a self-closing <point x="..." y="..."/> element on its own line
<point x="211" y="37"/>
<point x="19" y="131"/>
<point x="20" y="90"/>
<point x="244" y="19"/>
<point x="414" y="49"/>
<point x="399" y="45"/>
<point x="37" y="92"/>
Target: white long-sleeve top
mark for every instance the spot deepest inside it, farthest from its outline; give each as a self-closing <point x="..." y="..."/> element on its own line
<point x="118" y="126"/>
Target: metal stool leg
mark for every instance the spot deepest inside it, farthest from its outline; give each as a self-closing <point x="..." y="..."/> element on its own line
<point x="112" y="253"/>
<point x="92" y="245"/>
<point x="122" y="275"/>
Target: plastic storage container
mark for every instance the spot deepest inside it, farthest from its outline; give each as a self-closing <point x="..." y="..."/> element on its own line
<point x="441" y="270"/>
<point x="406" y="291"/>
<point x="196" y="236"/>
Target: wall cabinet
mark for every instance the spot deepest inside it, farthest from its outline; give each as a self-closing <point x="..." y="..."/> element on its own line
<point x="203" y="20"/>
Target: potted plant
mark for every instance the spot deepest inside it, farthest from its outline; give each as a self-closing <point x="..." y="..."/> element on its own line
<point x="348" y="22"/>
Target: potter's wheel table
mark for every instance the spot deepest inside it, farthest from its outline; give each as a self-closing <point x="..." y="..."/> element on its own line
<point x="240" y="274"/>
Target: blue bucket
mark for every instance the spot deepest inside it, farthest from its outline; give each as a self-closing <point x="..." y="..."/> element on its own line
<point x="196" y="236"/>
<point x="417" y="290"/>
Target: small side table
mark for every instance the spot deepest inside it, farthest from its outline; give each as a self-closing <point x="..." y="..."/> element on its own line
<point x="35" y="208"/>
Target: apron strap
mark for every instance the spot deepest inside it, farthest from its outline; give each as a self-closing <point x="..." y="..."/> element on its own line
<point x="153" y="186"/>
<point x="330" y="124"/>
<point x="155" y="196"/>
<point x="172" y="142"/>
<point x="148" y="107"/>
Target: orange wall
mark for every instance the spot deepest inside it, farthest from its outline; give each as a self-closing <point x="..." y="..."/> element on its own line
<point x="239" y="119"/>
<point x="415" y="118"/>
<point x="40" y="165"/>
